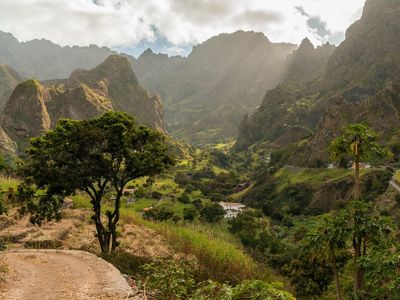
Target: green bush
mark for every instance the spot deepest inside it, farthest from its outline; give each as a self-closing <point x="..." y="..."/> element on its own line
<point x="189" y="213"/>
<point x="162" y="213"/>
<point x="184" y="198"/>
<point x="172" y="280"/>
<point x="212" y="213"/>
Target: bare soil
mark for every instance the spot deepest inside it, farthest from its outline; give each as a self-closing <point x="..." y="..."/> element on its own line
<point x="42" y="266"/>
<point x="61" y="275"/>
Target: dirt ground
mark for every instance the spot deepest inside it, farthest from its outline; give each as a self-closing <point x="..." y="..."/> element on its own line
<point x="75" y="231"/>
<point x="61" y="274"/>
<point x="50" y="270"/>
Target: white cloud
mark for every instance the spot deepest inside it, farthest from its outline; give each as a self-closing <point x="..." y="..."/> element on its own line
<point x="124" y="23"/>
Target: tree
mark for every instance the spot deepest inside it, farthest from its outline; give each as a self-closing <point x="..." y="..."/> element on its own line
<point x="212" y="213"/>
<point x="359" y="143"/>
<point x="325" y="238"/>
<point x="93" y="156"/>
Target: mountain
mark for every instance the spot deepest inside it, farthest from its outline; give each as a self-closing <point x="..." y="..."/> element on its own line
<point x="207" y="93"/>
<point x="308" y="63"/>
<point x="43" y="60"/>
<point x="36" y="106"/>
<point x="289" y="111"/>
<point x="8" y="81"/>
<point x="360" y="84"/>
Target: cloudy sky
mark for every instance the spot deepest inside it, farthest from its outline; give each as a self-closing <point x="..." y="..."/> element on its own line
<point x="173" y="26"/>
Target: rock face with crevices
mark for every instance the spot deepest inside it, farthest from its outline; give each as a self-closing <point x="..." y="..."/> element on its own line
<point x="61" y="275"/>
<point x="35" y="107"/>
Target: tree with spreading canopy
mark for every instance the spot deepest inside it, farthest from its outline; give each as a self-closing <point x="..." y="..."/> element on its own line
<point x="95" y="156"/>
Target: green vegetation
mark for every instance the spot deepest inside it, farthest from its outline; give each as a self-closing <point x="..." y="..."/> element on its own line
<point x="92" y="156"/>
<point x="300" y="226"/>
<point x="219" y="258"/>
<point x="397" y="176"/>
<point x="29" y="84"/>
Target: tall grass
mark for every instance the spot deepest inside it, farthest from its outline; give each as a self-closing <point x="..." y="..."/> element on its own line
<point x="218" y="253"/>
<point x="7" y="182"/>
<point x="397" y="176"/>
<point x="220" y="257"/>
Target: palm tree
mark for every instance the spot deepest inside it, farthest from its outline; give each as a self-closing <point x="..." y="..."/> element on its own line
<point x="325" y="238"/>
<point x="357" y="142"/>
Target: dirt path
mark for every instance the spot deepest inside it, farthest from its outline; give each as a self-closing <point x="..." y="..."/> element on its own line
<point x="61" y="275"/>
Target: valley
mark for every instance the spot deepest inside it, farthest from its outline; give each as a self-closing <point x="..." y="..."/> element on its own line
<point x="247" y="169"/>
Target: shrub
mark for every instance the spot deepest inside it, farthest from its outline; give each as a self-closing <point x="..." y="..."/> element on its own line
<point x="140" y="192"/>
<point x="189" y="213"/>
<point x="184" y="198"/>
<point x="170" y="280"/>
<point x="212" y="213"/>
<point x="162" y="213"/>
<point x="156" y="195"/>
<point x="197" y="203"/>
<point x="189" y="188"/>
<point x="397" y="199"/>
<point x="259" y="290"/>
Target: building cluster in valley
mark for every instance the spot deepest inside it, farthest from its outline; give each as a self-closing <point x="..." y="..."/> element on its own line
<point x="232" y="209"/>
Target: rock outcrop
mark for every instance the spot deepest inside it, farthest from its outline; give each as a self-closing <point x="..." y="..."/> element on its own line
<point x="35" y="107"/>
<point x="8" y="81"/>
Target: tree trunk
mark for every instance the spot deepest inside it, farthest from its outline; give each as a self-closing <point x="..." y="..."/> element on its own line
<point x="113" y="219"/>
<point x="358" y="272"/>
<point x="336" y="275"/>
<point x="357" y="183"/>
<point x="101" y="231"/>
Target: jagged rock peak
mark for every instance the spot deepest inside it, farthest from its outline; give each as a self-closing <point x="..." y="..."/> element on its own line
<point x="306" y="45"/>
<point x="149" y="54"/>
<point x="148" y="51"/>
<point x="115" y="66"/>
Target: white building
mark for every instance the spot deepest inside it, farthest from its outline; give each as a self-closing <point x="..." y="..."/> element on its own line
<point x="232" y="209"/>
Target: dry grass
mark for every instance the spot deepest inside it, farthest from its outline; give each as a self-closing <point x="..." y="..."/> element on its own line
<point x="3" y="269"/>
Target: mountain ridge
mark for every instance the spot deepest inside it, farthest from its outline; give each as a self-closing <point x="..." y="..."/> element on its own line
<point x="363" y="67"/>
<point x="35" y="107"/>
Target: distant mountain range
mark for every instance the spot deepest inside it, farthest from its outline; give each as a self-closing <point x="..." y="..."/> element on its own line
<point x="206" y="94"/>
<point x="35" y="107"/>
<point x="232" y="85"/>
<point x="360" y="83"/>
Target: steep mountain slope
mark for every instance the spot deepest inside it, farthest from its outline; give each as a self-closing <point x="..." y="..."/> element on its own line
<point x="219" y="82"/>
<point x="360" y="84"/>
<point x="42" y="59"/>
<point x="308" y="63"/>
<point x="289" y="111"/>
<point x="8" y="81"/>
<point x="36" y="106"/>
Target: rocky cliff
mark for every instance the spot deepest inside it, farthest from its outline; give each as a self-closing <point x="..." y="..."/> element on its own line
<point x="36" y="106"/>
<point x="8" y="81"/>
<point x="308" y="63"/>
<point x="207" y="93"/>
<point x="360" y="84"/>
